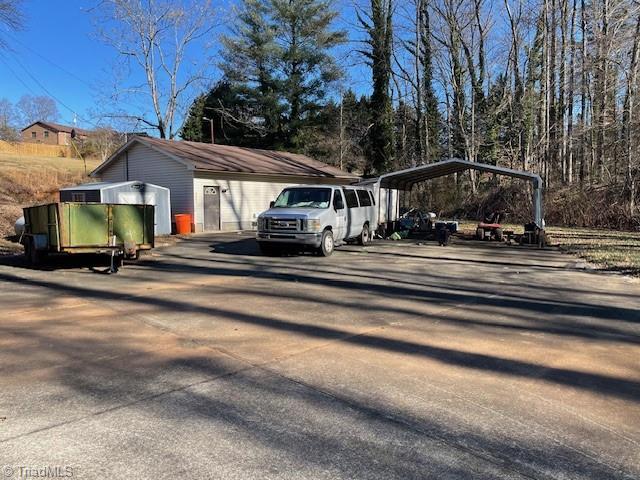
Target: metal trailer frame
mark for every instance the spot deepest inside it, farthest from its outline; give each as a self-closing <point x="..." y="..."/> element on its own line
<point x="407" y="178"/>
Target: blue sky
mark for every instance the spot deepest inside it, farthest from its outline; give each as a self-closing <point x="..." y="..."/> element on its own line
<point x="57" y="50"/>
<point x="58" y="55"/>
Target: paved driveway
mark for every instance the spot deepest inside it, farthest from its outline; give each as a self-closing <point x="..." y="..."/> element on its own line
<point x="400" y="360"/>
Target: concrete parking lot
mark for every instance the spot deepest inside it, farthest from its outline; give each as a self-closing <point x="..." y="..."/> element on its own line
<point x="399" y="360"/>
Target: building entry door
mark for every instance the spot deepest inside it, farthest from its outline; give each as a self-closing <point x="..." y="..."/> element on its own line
<point x="211" y="208"/>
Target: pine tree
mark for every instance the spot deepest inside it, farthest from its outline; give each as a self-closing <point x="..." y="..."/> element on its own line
<point x="192" y="127"/>
<point x="249" y="60"/>
<point x="278" y="60"/>
<point x="307" y="69"/>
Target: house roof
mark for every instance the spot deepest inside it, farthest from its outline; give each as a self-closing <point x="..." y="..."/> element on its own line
<point x="56" y="127"/>
<point x="227" y="159"/>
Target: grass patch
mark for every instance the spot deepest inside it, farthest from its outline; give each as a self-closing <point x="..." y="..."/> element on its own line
<point x="31" y="180"/>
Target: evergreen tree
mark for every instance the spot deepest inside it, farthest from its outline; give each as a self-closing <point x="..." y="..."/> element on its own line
<point x="307" y="69"/>
<point x="279" y="64"/>
<point x="249" y="60"/>
<point x="378" y="27"/>
<point x="192" y="128"/>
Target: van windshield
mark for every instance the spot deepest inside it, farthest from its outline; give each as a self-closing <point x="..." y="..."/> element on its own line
<point x="304" y="198"/>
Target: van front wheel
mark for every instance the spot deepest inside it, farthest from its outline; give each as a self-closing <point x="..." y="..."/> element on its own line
<point x="326" y="244"/>
<point x="364" y="237"/>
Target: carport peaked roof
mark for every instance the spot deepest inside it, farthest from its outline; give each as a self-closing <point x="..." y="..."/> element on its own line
<point x="227" y="159"/>
<point x="405" y="179"/>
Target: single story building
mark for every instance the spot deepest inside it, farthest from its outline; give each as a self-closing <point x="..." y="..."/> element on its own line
<point x="51" y="133"/>
<point x="222" y="187"/>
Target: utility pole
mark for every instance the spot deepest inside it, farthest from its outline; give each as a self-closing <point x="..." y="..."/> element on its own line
<point x="213" y="140"/>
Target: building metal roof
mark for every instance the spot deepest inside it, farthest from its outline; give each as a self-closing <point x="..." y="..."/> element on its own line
<point x="56" y="127"/>
<point x="107" y="185"/>
<point x="227" y="159"/>
<point x="405" y="179"/>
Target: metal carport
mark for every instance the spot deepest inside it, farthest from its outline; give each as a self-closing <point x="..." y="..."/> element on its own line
<point x="406" y="179"/>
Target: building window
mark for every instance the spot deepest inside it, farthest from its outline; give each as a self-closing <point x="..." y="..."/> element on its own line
<point x="33" y="134"/>
<point x="46" y="134"/>
<point x="78" y="197"/>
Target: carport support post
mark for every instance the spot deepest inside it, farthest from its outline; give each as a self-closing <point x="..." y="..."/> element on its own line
<point x="537" y="202"/>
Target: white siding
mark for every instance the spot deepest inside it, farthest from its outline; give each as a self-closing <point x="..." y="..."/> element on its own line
<point x="244" y="197"/>
<point x="147" y="165"/>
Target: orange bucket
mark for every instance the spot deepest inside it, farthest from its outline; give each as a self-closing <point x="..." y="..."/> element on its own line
<point x="183" y="223"/>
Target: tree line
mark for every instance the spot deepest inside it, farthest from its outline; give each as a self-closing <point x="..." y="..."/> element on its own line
<point x="547" y="85"/>
<point x="544" y="85"/>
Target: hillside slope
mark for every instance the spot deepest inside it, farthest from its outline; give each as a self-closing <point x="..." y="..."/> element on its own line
<point x="30" y="180"/>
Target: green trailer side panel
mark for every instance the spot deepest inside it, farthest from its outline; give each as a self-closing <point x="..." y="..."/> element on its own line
<point x="133" y="223"/>
<point x="128" y="223"/>
<point x="53" y="226"/>
<point x="88" y="224"/>
<point x="84" y="226"/>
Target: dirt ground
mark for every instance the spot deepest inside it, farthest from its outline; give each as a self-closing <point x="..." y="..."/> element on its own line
<point x="399" y="360"/>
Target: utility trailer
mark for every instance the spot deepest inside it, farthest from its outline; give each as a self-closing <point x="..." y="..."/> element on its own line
<point x="98" y="228"/>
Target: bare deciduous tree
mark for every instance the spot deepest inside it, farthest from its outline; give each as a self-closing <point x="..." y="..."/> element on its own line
<point x="154" y="39"/>
<point x="36" y="108"/>
<point x="11" y="17"/>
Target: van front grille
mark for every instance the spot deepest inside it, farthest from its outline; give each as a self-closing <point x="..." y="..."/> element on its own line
<point x="285" y="224"/>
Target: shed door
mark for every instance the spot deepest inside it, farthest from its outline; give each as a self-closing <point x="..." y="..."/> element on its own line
<point x="211" y="208"/>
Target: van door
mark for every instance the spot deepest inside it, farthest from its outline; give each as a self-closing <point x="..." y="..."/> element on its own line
<point x="340" y="229"/>
<point x="354" y="225"/>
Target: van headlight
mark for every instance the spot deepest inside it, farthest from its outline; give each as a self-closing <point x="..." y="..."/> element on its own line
<point x="261" y="223"/>
<point x="313" y="225"/>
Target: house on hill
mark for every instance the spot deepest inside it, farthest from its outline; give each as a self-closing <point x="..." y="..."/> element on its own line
<point x="51" y="133"/>
<point x="222" y="187"/>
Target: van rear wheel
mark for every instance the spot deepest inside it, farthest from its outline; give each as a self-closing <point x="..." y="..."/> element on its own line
<point x="327" y="244"/>
<point x="364" y="237"/>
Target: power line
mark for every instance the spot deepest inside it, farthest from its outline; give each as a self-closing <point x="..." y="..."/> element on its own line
<point x="46" y="90"/>
<point x="35" y="52"/>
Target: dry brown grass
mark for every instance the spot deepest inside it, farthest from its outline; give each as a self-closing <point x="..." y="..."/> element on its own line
<point x="30" y="180"/>
<point x="607" y="249"/>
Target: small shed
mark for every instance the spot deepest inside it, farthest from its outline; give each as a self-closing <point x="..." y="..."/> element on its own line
<point x="132" y="193"/>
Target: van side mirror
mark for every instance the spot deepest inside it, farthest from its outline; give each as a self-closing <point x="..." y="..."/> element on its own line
<point x="271" y="204"/>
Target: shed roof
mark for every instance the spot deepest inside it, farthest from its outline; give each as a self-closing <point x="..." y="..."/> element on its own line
<point x="405" y="179"/>
<point x="107" y="185"/>
<point x="56" y="127"/>
<point x="227" y="159"/>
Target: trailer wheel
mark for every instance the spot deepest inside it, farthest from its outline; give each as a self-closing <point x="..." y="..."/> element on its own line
<point x="480" y="233"/>
<point x="498" y="234"/>
<point x="31" y="253"/>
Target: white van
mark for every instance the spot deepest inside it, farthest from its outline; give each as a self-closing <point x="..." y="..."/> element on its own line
<point x="319" y="217"/>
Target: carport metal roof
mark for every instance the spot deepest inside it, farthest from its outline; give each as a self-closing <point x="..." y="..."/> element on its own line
<point x="406" y="179"/>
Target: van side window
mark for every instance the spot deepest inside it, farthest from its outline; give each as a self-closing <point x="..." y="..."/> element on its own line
<point x="352" y="200"/>
<point x="373" y="200"/>
<point x="338" y="203"/>
<point x="365" y="199"/>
